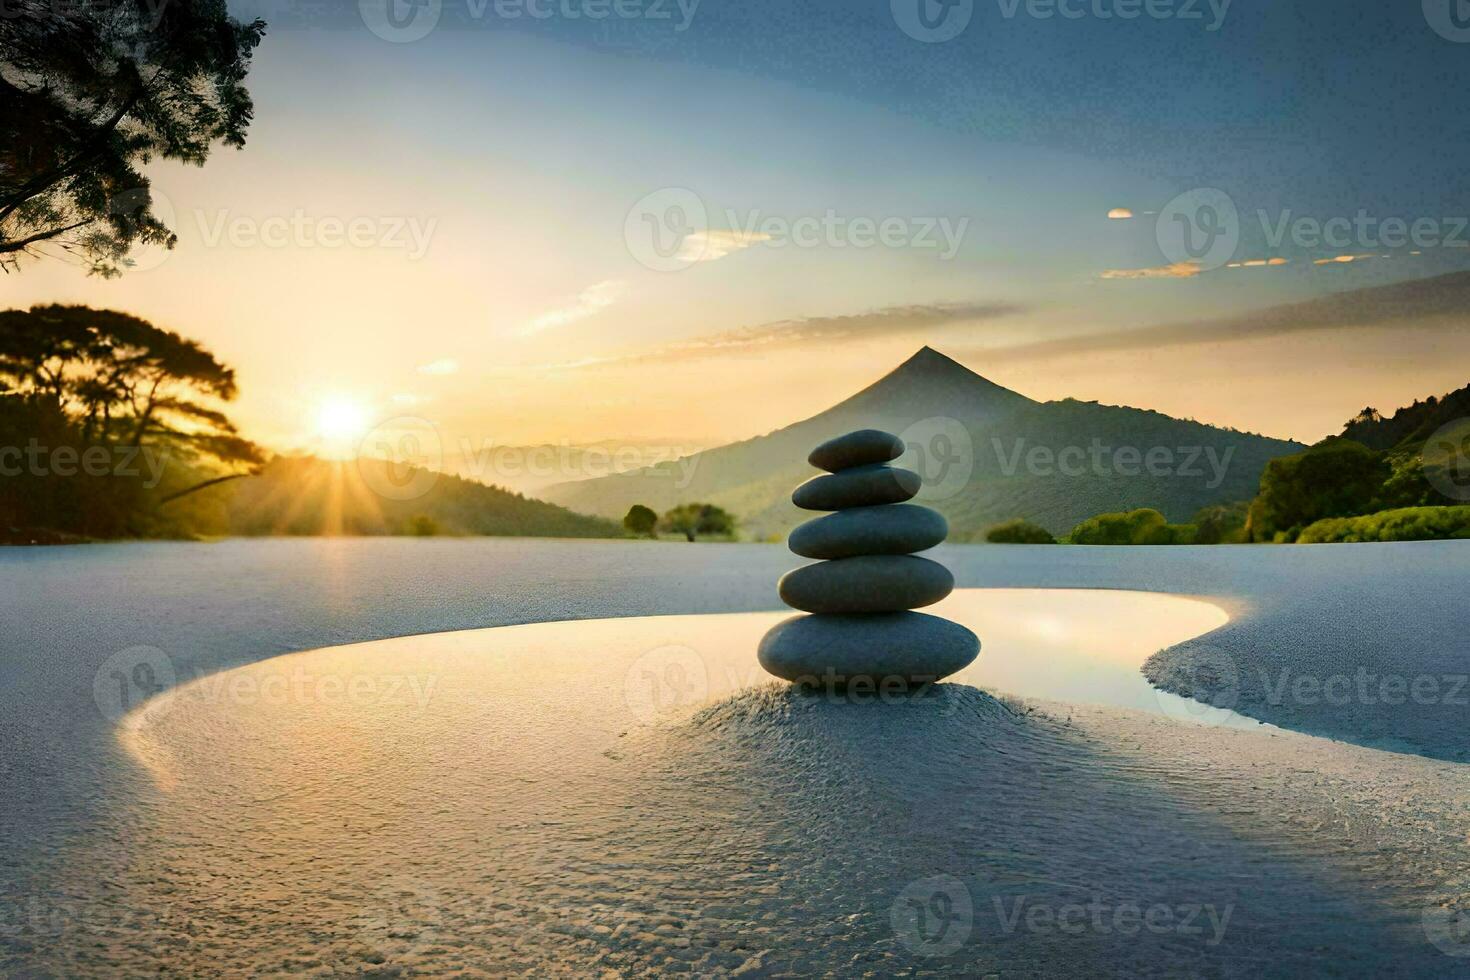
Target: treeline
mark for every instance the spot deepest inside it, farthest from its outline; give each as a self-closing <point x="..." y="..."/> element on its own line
<point x="112" y="428"/>
<point x="103" y="418"/>
<point x="692" y="521"/>
<point x="1397" y="478"/>
<point x="368" y="497"/>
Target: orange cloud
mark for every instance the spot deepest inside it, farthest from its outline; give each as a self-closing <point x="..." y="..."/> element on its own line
<point x="1256" y="263"/>
<point x="1119" y="213"/>
<point x="1179" y="270"/>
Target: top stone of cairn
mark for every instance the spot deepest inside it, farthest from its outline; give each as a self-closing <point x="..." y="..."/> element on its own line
<point x="858" y="448"/>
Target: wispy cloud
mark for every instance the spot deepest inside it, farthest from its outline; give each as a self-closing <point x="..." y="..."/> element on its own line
<point x="444" y="365"/>
<point x="888" y="321"/>
<point x="1438" y="301"/>
<point x="1179" y="270"/>
<point x="593" y="299"/>
<point x="716" y="243"/>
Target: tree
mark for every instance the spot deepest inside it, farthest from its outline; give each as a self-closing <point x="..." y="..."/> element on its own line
<point x="1221" y="523"/>
<point x="91" y="90"/>
<point x="693" y="519"/>
<point x="1335" y="478"/>
<point x="75" y="380"/>
<point x="1142" y="526"/>
<point x="1019" y="531"/>
<point x="123" y="380"/>
<point x="640" y="521"/>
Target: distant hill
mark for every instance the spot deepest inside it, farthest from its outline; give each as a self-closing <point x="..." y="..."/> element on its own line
<point x="1002" y="450"/>
<point x="306" y="496"/>
<point x="1407" y="428"/>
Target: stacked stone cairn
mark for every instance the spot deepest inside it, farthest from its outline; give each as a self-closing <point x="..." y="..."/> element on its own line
<point x="860" y="630"/>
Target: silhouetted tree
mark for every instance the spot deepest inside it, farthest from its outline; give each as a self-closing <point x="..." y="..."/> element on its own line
<point x="694" y="519"/>
<point x="78" y="383"/>
<point x="91" y="89"/>
<point x="640" y="521"/>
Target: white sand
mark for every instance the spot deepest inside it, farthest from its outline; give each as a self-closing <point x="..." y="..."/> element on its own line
<point x="630" y="795"/>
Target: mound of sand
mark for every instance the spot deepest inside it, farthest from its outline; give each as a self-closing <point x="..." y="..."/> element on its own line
<point x="545" y="800"/>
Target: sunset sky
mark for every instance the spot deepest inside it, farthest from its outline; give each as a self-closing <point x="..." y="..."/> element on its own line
<point x="457" y="227"/>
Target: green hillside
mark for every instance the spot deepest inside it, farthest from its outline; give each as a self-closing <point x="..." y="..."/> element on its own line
<point x="306" y="496"/>
<point x="988" y="454"/>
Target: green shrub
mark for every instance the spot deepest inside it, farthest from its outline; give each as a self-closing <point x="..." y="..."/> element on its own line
<point x="1403" y="524"/>
<point x="1143" y="526"/>
<point x="1019" y="531"/>
<point x="422" y="526"/>
<point x="1335" y="478"/>
<point x="640" y="521"/>
<point x="1222" y="523"/>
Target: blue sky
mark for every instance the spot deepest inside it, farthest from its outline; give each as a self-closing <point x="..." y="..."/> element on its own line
<point x="498" y="165"/>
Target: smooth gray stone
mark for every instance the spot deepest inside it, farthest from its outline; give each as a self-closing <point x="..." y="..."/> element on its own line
<point x="866" y="584"/>
<point x="861" y="486"/>
<point x="856" y="449"/>
<point x="882" y="649"/>
<point x="895" y="529"/>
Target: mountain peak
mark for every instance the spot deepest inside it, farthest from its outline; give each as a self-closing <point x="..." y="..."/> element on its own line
<point x="927" y="355"/>
<point x="933" y="366"/>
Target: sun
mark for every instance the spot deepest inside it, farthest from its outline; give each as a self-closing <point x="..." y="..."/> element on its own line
<point x="340" y="423"/>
